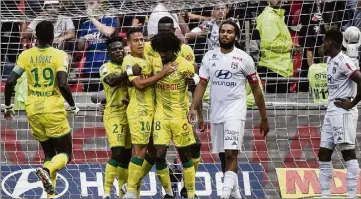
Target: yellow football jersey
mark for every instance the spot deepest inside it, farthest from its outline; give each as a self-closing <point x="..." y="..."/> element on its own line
<point x="141" y="102"/>
<point x="113" y="95"/>
<point x="171" y="91"/>
<point x="185" y="52"/>
<point x="41" y="66"/>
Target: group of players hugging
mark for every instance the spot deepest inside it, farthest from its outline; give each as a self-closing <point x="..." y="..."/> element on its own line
<point x="147" y="105"/>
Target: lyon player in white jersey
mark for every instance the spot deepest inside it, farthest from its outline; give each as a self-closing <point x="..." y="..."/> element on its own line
<point x="227" y="69"/>
<point x="339" y="125"/>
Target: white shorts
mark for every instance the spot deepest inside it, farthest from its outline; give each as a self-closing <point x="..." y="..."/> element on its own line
<point x="227" y="135"/>
<point x="339" y="130"/>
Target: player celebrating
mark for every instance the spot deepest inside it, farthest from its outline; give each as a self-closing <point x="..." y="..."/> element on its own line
<point x="140" y="112"/>
<point x="166" y="24"/>
<point x="339" y="125"/>
<point x="170" y="117"/>
<point x="115" y="82"/>
<point x="227" y="68"/>
<point x="46" y="71"/>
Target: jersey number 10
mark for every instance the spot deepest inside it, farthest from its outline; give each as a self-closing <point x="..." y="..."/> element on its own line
<point x="48" y="75"/>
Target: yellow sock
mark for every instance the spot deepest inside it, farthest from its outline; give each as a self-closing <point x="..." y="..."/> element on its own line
<point x="163" y="176"/>
<point x="122" y="172"/>
<point x="195" y="164"/>
<point x="135" y="172"/>
<point x="147" y="166"/>
<point x="110" y="173"/>
<point x="52" y="178"/>
<point x="189" y="178"/>
<point x="58" y="162"/>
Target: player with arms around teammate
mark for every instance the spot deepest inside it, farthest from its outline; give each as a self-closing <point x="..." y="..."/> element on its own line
<point x="115" y="82"/>
<point x="46" y="71"/>
<point x="339" y="125"/>
<point x="140" y="111"/>
<point x="227" y="69"/>
<point x="170" y="117"/>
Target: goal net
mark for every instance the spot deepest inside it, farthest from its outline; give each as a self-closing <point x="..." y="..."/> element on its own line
<point x="282" y="165"/>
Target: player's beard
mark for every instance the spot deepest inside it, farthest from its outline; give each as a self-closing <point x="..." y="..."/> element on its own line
<point x="228" y="45"/>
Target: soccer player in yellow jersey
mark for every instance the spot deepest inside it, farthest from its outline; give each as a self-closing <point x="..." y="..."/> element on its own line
<point x="46" y="71"/>
<point x="171" y="107"/>
<point x="166" y="24"/>
<point x="140" y="111"/>
<point x="115" y="82"/>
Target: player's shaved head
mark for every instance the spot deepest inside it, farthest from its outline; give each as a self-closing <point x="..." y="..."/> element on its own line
<point x="45" y="32"/>
<point x="166" y="24"/>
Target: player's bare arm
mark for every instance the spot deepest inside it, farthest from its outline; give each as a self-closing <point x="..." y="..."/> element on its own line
<point x="114" y="79"/>
<point x="141" y="83"/>
<point x="9" y="89"/>
<point x="197" y="98"/>
<point x="64" y="89"/>
<point x="346" y="103"/>
<point x="259" y="99"/>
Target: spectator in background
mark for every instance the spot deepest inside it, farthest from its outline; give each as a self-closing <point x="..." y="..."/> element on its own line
<point x="276" y="46"/>
<point x="353" y="11"/>
<point x="161" y="11"/>
<point x="63" y="26"/>
<point x="94" y="32"/>
<point x="209" y="29"/>
<point x="317" y="78"/>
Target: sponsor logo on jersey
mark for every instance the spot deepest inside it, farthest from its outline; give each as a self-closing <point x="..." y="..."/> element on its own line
<point x="189" y="57"/>
<point x="22" y="182"/>
<point x="234" y="65"/>
<point x="237" y="58"/>
<point x="223" y="74"/>
<point x="333" y="70"/>
<point x="320" y="76"/>
<point x="214" y="57"/>
<point x="330" y="79"/>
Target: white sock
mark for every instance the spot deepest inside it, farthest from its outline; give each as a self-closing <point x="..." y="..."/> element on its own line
<point x="352" y="178"/>
<point x="326" y="170"/>
<point x="170" y="192"/>
<point x="131" y="195"/>
<point x="230" y="178"/>
<point x="236" y="194"/>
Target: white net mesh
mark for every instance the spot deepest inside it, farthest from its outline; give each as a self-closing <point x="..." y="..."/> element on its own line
<point x="283" y="165"/>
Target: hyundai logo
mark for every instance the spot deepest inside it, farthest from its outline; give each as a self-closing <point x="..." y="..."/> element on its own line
<point x="223" y="74"/>
<point x="16" y="187"/>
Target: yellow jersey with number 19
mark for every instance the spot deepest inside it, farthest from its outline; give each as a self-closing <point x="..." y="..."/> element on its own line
<point x="171" y="91"/>
<point x="41" y="66"/>
<point x="141" y="101"/>
<point x="113" y="95"/>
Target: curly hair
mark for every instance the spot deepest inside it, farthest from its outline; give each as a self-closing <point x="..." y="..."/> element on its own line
<point x="166" y="41"/>
<point x="114" y="39"/>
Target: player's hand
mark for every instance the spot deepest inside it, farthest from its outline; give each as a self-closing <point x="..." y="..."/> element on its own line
<point x="74" y="110"/>
<point x="343" y="103"/>
<point x="169" y="68"/>
<point x="201" y="125"/>
<point x="136" y="70"/>
<point x="192" y="116"/>
<point x="101" y="108"/>
<point x="296" y="48"/>
<point x="59" y="40"/>
<point x="264" y="127"/>
<point x="9" y="112"/>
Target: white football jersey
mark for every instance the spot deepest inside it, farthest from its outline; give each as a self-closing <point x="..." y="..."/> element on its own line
<point x="227" y="75"/>
<point x="339" y="83"/>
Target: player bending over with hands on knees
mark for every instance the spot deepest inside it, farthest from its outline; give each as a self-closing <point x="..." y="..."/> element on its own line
<point x="140" y="113"/>
<point x="340" y="122"/>
<point x="115" y="82"/>
<point x="46" y="71"/>
<point x="227" y="68"/>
